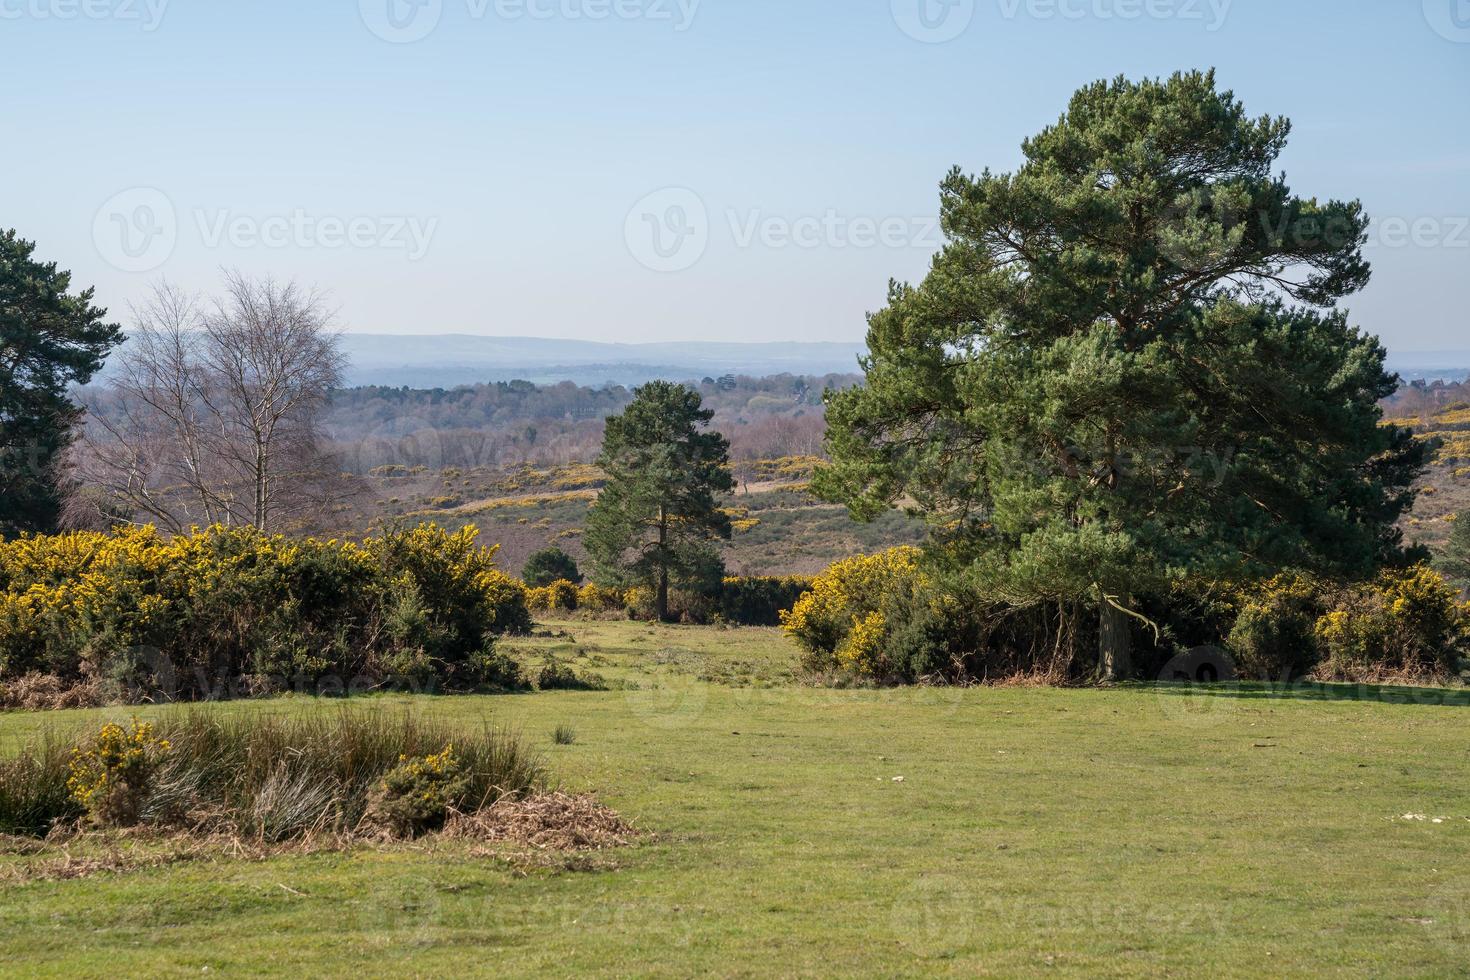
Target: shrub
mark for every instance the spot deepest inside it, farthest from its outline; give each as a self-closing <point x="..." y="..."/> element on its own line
<point x="558" y="676"/>
<point x="856" y="608"/>
<point x="418" y="794"/>
<point x="229" y="609"/>
<point x="753" y="601"/>
<point x="110" y="776"/>
<point x="1273" y="637"/>
<point x="559" y="596"/>
<point x="550" y="565"/>
<point x="596" y="598"/>
<point x="1409" y="622"/>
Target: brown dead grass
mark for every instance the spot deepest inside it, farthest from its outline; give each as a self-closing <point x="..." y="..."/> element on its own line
<point x="546" y="831"/>
<point x="547" y="821"/>
<point x="45" y="692"/>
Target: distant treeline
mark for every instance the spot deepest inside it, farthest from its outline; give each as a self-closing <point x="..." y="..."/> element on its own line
<point x="1426" y="398"/>
<point x="512" y="422"/>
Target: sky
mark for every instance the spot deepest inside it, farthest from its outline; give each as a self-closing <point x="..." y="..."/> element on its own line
<point x="654" y="170"/>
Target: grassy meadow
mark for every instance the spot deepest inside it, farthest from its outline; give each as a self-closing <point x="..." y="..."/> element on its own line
<point x="799" y="830"/>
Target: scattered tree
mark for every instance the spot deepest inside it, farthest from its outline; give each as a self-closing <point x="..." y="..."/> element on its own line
<point x="213" y="416"/>
<point x="657" y="520"/>
<point x="1126" y="368"/>
<point x="550" y="565"/>
<point x="49" y="341"/>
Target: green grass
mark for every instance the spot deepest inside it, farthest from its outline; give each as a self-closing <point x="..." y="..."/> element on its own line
<point x="1137" y="831"/>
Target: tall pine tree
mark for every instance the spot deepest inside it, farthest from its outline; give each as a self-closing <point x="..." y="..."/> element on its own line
<point x="49" y="341"/>
<point x="1126" y="368"/>
<point x="657" y="522"/>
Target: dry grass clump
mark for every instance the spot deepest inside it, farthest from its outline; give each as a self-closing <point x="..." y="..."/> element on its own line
<point x="201" y="785"/>
<point x="46" y="692"/>
<point x="546" y="821"/>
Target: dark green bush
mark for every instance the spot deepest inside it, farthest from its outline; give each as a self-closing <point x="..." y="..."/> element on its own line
<point x="759" y="601"/>
<point x="1274" y="636"/>
<point x="550" y="565"/>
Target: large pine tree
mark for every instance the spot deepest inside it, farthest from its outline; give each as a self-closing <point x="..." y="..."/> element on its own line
<point x="49" y="341"/>
<point x="1127" y="367"/>
<point x="658" y="520"/>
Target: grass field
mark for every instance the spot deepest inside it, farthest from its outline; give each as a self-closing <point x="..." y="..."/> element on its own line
<point x="1135" y="831"/>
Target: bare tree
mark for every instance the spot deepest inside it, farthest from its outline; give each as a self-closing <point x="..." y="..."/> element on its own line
<point x="213" y="414"/>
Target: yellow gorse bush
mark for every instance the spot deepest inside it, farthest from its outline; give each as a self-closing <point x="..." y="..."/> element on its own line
<point x="109" y="775"/>
<point x="862" y="649"/>
<point x="841" y="616"/>
<point x="559" y="596"/>
<point x="234" y="599"/>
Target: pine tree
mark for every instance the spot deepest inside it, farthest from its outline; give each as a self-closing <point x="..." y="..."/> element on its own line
<point x="49" y="341"/>
<point x="1126" y="368"/>
<point x="657" y="520"/>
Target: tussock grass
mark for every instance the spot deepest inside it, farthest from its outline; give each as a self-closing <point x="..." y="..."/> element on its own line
<point x="271" y="778"/>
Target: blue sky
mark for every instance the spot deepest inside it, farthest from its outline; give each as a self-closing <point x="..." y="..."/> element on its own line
<point x="506" y="172"/>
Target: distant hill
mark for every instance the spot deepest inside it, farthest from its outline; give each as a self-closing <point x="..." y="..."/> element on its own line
<point x="449" y="360"/>
<point x="1430" y="365"/>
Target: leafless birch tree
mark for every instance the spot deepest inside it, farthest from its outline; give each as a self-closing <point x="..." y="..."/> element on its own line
<point x="212" y="415"/>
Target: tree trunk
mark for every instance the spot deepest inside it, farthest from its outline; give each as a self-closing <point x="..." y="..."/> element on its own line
<point x="1114" y="644"/>
<point x="661" y="604"/>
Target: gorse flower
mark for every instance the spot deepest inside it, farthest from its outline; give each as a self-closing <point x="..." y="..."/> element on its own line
<point x="109" y="776"/>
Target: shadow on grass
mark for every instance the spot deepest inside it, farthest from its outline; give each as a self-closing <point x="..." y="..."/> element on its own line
<point x="1458" y="697"/>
